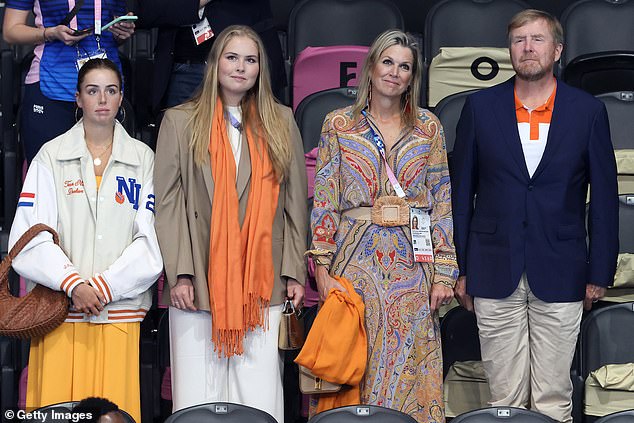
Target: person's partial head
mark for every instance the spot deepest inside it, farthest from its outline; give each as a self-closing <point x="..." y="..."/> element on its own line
<point x="535" y="44"/>
<point x="237" y="71"/>
<point x="237" y="66"/>
<point x="414" y="222"/>
<point x="99" y="94"/>
<point x="393" y="68"/>
<point x="101" y="410"/>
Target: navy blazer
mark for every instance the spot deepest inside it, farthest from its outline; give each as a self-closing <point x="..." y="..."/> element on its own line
<point x="507" y="223"/>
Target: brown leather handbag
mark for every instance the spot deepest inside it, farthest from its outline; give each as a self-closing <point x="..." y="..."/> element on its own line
<point x="38" y="312"/>
<point x="291" y="335"/>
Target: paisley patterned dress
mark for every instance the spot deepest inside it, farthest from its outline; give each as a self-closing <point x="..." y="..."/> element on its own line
<point x="404" y="370"/>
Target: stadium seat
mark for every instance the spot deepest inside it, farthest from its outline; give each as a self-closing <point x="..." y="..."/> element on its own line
<point x="362" y="414"/>
<point x="626" y="416"/>
<point x="623" y="288"/>
<point x="448" y="111"/>
<point x="459" y="334"/>
<point x="322" y="68"/>
<point x="502" y="415"/>
<point x="603" y="72"/>
<point x="465" y="387"/>
<point x="8" y="374"/>
<point x="605" y="339"/>
<point x="599" y="45"/>
<point x="454" y="25"/>
<point x="319" y="23"/>
<point x="313" y="109"/>
<point x="595" y="26"/>
<point x="620" y="107"/>
<point x="10" y="157"/>
<point x="220" y="413"/>
<point x="326" y="26"/>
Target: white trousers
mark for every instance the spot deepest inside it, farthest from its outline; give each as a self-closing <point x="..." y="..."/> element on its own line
<point x="199" y="376"/>
<point x="527" y="350"/>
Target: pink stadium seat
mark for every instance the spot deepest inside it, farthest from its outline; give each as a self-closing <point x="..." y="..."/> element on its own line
<point x="321" y="68"/>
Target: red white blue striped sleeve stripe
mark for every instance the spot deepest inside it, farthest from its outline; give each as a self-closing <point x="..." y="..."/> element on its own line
<point x="27" y="199"/>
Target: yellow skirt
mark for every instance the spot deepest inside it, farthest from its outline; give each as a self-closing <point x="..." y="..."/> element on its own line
<point x="79" y="360"/>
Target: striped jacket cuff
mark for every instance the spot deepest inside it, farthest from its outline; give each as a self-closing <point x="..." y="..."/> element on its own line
<point x="99" y="283"/>
<point x="70" y="282"/>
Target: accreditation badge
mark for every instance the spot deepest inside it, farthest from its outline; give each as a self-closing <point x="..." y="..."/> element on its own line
<point x="82" y="58"/>
<point x="420" y="227"/>
<point x="202" y="31"/>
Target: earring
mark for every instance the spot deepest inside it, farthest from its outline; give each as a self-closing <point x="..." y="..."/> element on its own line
<point x="369" y="92"/>
<point x="122" y="114"/>
<point x="77" y="117"/>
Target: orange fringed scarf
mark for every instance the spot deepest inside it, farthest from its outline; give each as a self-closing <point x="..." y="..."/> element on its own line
<point x="240" y="275"/>
<point x="336" y="347"/>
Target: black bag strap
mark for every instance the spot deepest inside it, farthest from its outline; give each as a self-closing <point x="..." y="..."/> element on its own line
<point x="69" y="17"/>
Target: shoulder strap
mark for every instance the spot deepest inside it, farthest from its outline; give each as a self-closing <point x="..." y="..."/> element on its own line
<point x="69" y="17"/>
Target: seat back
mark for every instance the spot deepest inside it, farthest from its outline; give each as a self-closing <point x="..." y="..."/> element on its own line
<point x="603" y="72"/>
<point x="448" y="111"/>
<point x="458" y="69"/>
<point x="626" y="416"/>
<point x="220" y="413"/>
<point x="626" y="226"/>
<point x="319" y="23"/>
<point x="606" y="338"/>
<point x="322" y="68"/>
<point x="502" y="414"/>
<point x="620" y="107"/>
<point x="9" y="152"/>
<point x="468" y="23"/>
<point x="459" y="334"/>
<point x="362" y="414"/>
<point x="313" y="109"/>
<point x="461" y="28"/>
<point x="593" y="26"/>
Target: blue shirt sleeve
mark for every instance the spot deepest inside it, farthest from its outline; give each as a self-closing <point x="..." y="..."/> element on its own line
<point x="20" y="4"/>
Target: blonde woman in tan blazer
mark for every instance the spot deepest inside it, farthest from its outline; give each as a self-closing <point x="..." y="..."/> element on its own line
<point x="231" y="218"/>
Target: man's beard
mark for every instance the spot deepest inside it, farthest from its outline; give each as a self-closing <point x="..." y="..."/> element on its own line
<point x="527" y="72"/>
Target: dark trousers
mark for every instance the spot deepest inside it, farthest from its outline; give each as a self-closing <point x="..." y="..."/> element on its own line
<point x="42" y="119"/>
<point x="184" y="80"/>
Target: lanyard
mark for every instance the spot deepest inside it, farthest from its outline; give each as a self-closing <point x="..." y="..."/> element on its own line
<point x="234" y="122"/>
<point x="381" y="147"/>
<point x="97" y="18"/>
<point x="71" y="17"/>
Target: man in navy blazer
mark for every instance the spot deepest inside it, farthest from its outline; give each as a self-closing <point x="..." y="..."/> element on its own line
<point x="526" y="151"/>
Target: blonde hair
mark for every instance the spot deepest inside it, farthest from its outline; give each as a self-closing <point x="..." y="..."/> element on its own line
<point x="266" y="122"/>
<point x="384" y="41"/>
<point x="531" y="15"/>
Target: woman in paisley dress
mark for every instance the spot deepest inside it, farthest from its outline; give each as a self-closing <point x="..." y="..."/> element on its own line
<point x="401" y="294"/>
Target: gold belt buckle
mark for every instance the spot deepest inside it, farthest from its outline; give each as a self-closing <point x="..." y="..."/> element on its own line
<point x="390" y="211"/>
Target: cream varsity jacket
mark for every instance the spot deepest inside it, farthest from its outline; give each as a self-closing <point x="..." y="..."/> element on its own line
<point x="107" y="236"/>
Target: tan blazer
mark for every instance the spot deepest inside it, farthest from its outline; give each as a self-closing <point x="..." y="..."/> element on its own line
<point x="184" y="197"/>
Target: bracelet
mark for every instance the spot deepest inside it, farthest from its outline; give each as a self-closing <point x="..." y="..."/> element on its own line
<point x="46" y="40"/>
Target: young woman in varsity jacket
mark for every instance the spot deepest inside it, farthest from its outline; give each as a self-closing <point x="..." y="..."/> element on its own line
<point x="93" y="184"/>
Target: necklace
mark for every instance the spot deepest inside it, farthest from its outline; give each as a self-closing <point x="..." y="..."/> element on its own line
<point x="97" y="160"/>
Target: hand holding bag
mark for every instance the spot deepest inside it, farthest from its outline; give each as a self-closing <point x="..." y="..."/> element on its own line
<point x="291" y="336"/>
<point x="38" y="312"/>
